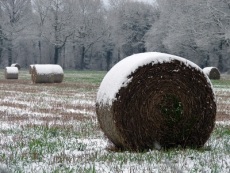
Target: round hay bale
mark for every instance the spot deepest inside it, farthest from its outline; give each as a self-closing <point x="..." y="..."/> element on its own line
<point x="11" y="73"/>
<point x="155" y="100"/>
<point x="16" y="65"/>
<point x="47" y="73"/>
<point x="31" y="68"/>
<point x="212" y="72"/>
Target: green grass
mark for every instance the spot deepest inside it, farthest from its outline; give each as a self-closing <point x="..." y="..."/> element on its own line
<point x="222" y="83"/>
<point x="88" y="77"/>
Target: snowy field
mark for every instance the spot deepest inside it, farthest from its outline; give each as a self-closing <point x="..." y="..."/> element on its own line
<point x="53" y="128"/>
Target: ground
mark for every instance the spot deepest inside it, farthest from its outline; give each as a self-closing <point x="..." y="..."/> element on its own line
<point x="54" y="128"/>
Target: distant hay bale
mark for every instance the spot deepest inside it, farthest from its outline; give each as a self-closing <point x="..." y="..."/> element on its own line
<point x="47" y="73"/>
<point x="31" y="68"/>
<point x="155" y="100"/>
<point x="16" y="65"/>
<point x="11" y="73"/>
<point x="212" y="72"/>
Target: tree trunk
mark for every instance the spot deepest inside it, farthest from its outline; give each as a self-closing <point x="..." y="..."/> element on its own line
<point x="56" y="54"/>
<point x="108" y="60"/>
<point x="1" y="43"/>
<point x="220" y="57"/>
<point x="40" y="51"/>
<point x="220" y="63"/>
<point x="10" y="52"/>
<point x="83" y="58"/>
<point x="75" y="56"/>
<point x="119" y="55"/>
<point x="64" y="63"/>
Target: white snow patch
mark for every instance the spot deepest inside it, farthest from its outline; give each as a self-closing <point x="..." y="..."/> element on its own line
<point x="85" y="112"/>
<point x="48" y="69"/>
<point x="11" y="70"/>
<point x="223" y="123"/>
<point x="207" y="70"/>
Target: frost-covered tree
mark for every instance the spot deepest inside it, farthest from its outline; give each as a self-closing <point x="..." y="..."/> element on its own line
<point x="41" y="9"/>
<point x="197" y="30"/>
<point x="90" y="30"/>
<point x="217" y="36"/>
<point x="1" y="35"/>
<point x="130" y="21"/>
<point x="58" y="28"/>
<point x="16" y="17"/>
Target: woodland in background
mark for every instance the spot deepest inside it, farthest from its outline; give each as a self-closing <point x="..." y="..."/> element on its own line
<point x="87" y="34"/>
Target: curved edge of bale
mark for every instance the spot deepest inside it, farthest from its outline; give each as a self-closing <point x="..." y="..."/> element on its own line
<point x="212" y="72"/>
<point x="31" y="68"/>
<point x="11" y="73"/>
<point x="117" y="84"/>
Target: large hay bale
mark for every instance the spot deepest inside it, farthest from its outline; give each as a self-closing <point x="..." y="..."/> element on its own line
<point x="212" y="72"/>
<point x="11" y="73"/>
<point x="156" y="100"/>
<point x="47" y="73"/>
<point x="16" y="65"/>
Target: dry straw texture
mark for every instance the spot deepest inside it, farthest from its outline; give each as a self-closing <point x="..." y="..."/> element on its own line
<point x="16" y="65"/>
<point x="165" y="105"/>
<point x="47" y="73"/>
<point x="11" y="73"/>
<point x="212" y="72"/>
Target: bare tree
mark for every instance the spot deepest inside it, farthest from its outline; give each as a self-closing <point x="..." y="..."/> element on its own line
<point x="1" y="35"/>
<point x="55" y="24"/>
<point x="195" y="29"/>
<point x="130" y="21"/>
<point x="15" y="16"/>
<point x="41" y="9"/>
<point x="90" y="28"/>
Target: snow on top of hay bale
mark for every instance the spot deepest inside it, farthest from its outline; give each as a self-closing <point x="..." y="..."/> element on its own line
<point x="207" y="70"/>
<point x="12" y="70"/>
<point x="11" y="73"/>
<point x="16" y="65"/>
<point x="115" y="80"/>
<point x="48" y="68"/>
<point x="212" y="72"/>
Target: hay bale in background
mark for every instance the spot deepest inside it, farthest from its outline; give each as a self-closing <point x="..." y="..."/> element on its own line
<point x="16" y="65"/>
<point x="212" y="72"/>
<point x="11" y="73"/>
<point x="47" y="73"/>
<point x="154" y="100"/>
<point x="31" y="68"/>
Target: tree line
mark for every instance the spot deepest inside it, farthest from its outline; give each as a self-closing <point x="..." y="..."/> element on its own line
<point x="88" y="34"/>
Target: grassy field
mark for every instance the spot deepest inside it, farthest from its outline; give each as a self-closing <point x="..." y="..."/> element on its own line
<point x="53" y="128"/>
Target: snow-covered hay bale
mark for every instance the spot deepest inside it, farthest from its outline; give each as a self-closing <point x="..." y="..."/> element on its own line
<point x="212" y="72"/>
<point x="16" y="65"/>
<point x="31" y="68"/>
<point x="11" y="73"/>
<point x="156" y="100"/>
<point x="47" y="73"/>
